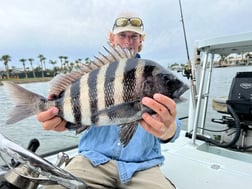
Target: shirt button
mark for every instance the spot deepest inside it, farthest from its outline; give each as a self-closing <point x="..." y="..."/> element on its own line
<point x="118" y="144"/>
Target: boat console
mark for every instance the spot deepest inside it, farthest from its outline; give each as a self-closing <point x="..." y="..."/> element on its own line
<point x="237" y="112"/>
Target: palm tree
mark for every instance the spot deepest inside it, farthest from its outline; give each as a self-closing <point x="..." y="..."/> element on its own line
<point x="53" y="62"/>
<point x="33" y="72"/>
<point x="6" y="58"/>
<point x="77" y="64"/>
<point x="41" y="59"/>
<point x="65" y="64"/>
<point x="71" y="66"/>
<point x="223" y="60"/>
<point x="61" y="62"/>
<point x="23" y="62"/>
<point x="87" y="60"/>
<point x="248" y="58"/>
<point x="79" y="60"/>
<point x="65" y="57"/>
<point x="44" y="58"/>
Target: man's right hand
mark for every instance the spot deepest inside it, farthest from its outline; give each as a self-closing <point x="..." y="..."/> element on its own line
<point x="50" y="120"/>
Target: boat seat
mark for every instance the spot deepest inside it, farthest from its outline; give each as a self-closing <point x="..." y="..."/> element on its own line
<point x="220" y="104"/>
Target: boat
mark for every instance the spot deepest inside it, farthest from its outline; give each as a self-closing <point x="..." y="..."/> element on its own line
<point x="195" y="159"/>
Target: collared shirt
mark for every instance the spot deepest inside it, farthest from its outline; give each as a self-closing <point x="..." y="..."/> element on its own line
<point x="102" y="144"/>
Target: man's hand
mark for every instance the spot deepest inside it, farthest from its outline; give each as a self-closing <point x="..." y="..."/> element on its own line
<point x="163" y="123"/>
<point x="50" y="120"/>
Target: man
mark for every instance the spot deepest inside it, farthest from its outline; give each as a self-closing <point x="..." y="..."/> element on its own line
<point x="102" y="161"/>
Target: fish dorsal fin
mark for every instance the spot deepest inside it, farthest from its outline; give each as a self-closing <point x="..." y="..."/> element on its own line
<point x="62" y="81"/>
<point x="114" y="54"/>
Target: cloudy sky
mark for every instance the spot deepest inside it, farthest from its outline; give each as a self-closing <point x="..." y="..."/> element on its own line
<point x="79" y="28"/>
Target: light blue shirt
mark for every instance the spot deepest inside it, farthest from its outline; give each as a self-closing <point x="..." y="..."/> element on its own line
<point x="102" y="144"/>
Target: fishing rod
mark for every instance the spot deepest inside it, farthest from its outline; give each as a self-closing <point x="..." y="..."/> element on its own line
<point x="188" y="69"/>
<point x="184" y="32"/>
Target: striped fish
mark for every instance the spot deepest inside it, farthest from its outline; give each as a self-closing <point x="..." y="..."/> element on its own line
<point x="110" y="93"/>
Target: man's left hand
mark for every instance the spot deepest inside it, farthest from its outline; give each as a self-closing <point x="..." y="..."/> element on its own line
<point x="163" y="123"/>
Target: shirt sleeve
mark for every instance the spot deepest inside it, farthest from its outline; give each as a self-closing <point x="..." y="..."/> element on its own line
<point x="176" y="135"/>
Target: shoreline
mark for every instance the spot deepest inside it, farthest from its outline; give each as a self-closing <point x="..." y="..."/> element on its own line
<point x="29" y="80"/>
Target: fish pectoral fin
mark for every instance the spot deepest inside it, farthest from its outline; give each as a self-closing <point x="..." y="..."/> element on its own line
<point x="127" y="131"/>
<point x="77" y="127"/>
<point x="126" y="109"/>
<point x="81" y="129"/>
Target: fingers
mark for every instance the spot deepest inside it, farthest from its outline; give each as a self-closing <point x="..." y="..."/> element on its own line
<point x="162" y="105"/>
<point x="50" y="120"/>
<point x="152" y="125"/>
<point x="160" y="124"/>
<point x="167" y="103"/>
<point x="57" y="124"/>
<point x="157" y="128"/>
<point x="46" y="115"/>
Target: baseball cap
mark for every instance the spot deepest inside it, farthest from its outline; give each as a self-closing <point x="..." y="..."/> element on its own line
<point x="128" y="22"/>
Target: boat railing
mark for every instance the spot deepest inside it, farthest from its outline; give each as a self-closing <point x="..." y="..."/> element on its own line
<point x="208" y="49"/>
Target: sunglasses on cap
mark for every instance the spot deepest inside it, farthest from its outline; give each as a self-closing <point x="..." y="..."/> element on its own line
<point x="123" y="21"/>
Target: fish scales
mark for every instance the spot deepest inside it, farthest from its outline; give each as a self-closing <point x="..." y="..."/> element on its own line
<point x="109" y="87"/>
<point x="108" y="95"/>
<point x="147" y="84"/>
<point x="102" y="84"/>
<point x="92" y="91"/>
<point x="118" y="82"/>
<point x="119" y="97"/>
<point x="129" y="80"/>
<point x="66" y="109"/>
<point x="75" y="101"/>
<point x="102" y="93"/>
<point x="119" y="88"/>
<point x="85" y="101"/>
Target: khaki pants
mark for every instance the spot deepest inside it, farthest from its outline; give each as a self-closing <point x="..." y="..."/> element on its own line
<point x="106" y="176"/>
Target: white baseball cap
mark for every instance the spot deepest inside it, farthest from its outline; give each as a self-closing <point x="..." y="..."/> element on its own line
<point x="128" y="22"/>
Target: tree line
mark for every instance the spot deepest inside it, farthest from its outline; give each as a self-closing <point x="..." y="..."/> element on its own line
<point x="41" y="70"/>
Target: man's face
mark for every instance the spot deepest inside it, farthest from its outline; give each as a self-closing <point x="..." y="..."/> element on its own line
<point x="127" y="39"/>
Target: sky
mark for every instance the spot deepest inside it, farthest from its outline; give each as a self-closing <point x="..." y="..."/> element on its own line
<point x="79" y="28"/>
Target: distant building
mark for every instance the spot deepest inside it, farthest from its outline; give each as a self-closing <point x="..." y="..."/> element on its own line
<point x="235" y="60"/>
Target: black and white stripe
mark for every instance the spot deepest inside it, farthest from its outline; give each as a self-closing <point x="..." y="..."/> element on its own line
<point x="109" y="88"/>
<point x="67" y="106"/>
<point x="85" y="101"/>
<point x="75" y="101"/>
<point x="71" y="102"/>
<point x="93" y="94"/>
<point x="129" y="79"/>
<point x="90" y="98"/>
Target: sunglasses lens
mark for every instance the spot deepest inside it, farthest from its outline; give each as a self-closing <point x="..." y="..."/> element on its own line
<point x="120" y="22"/>
<point x="136" y="22"/>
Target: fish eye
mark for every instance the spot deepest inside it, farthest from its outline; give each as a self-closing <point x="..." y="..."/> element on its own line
<point x="165" y="77"/>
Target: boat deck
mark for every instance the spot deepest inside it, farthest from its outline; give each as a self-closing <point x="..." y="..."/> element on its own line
<point x="191" y="166"/>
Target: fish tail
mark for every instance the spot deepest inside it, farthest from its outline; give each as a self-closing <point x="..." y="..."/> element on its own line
<point x="26" y="102"/>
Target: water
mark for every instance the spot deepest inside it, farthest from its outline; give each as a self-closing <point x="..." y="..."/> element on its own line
<point x="25" y="130"/>
<point x="30" y="128"/>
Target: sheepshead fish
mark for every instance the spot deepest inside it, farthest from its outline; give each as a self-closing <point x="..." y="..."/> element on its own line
<point x="108" y="93"/>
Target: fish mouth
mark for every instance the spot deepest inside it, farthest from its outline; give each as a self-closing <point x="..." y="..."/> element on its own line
<point x="177" y="94"/>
